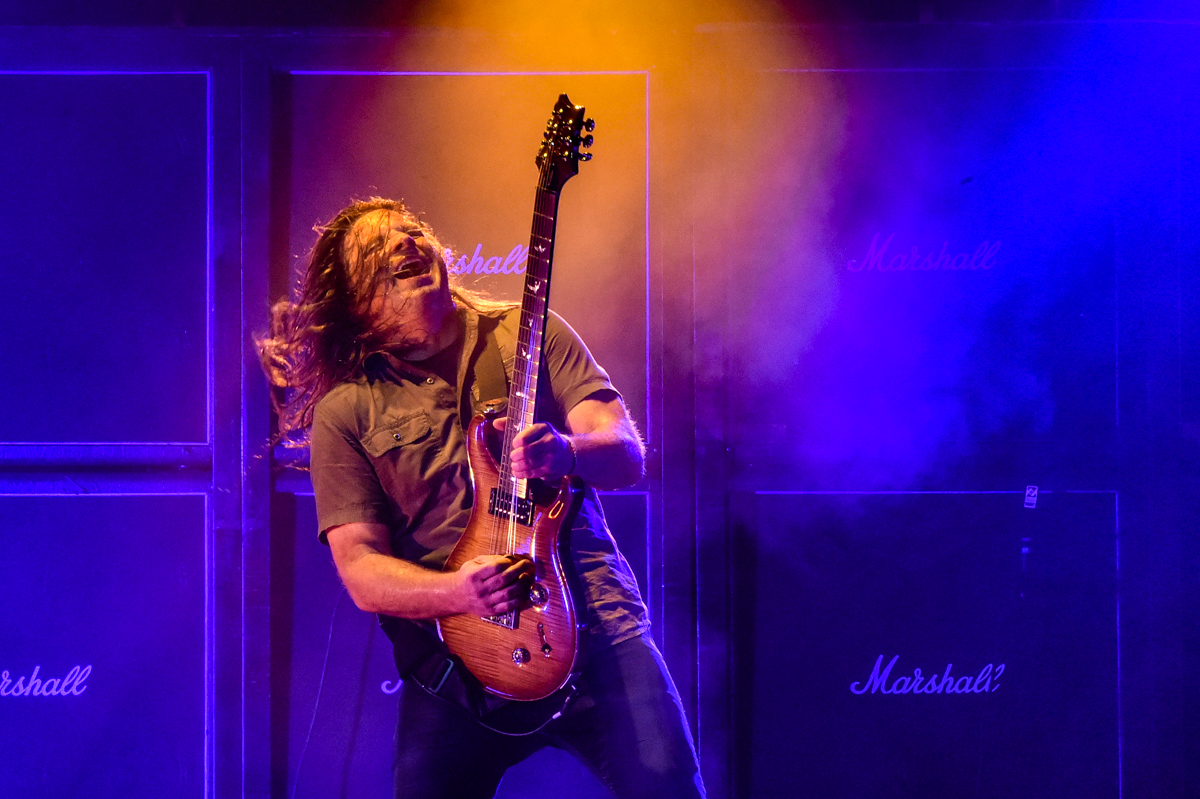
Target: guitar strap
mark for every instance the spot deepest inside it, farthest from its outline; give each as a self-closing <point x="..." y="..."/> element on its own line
<point x="420" y="655"/>
<point x="422" y="658"/>
<point x="490" y="376"/>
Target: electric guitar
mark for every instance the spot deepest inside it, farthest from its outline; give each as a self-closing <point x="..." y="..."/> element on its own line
<point x="532" y="652"/>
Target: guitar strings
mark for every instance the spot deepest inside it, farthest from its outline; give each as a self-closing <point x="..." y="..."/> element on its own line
<point x="508" y="491"/>
<point x="531" y="339"/>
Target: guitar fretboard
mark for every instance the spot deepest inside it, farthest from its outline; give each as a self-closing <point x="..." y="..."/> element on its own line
<point x="522" y="395"/>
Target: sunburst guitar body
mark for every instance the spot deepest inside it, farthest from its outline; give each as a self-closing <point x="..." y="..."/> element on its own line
<point x="531" y="652"/>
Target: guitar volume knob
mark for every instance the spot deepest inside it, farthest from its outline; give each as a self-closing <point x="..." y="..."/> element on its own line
<point x="538" y="594"/>
<point x="521" y="656"/>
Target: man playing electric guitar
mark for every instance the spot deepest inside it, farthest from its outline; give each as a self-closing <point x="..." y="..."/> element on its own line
<point x="382" y="355"/>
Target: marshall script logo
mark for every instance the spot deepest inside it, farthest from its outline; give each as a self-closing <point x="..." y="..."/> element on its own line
<point x="986" y="681"/>
<point x="73" y="684"/>
<point x="877" y="260"/>
<point x="511" y="264"/>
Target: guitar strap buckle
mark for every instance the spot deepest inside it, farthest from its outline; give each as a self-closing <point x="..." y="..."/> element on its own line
<point x="435" y="684"/>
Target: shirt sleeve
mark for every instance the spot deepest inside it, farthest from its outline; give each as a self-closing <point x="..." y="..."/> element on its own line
<point x="345" y="485"/>
<point x="574" y="373"/>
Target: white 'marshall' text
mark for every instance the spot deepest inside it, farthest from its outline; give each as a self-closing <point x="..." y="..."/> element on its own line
<point x="986" y="681"/>
<point x="73" y="684"/>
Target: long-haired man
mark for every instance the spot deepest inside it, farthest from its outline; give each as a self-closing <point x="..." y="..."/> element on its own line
<point x="376" y="360"/>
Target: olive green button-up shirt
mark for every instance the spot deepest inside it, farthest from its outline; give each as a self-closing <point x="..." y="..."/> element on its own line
<point x="390" y="448"/>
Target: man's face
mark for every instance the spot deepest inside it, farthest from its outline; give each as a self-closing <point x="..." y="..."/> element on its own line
<point x="412" y="304"/>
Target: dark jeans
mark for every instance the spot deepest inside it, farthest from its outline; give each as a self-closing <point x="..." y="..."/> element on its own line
<point x="626" y="724"/>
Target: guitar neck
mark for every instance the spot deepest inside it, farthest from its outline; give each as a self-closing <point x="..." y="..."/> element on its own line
<point x="535" y="303"/>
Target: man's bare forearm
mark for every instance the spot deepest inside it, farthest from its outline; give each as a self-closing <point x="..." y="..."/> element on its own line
<point x="609" y="459"/>
<point x="381" y="583"/>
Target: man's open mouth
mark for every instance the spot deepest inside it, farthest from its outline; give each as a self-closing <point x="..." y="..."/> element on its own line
<point x="410" y="269"/>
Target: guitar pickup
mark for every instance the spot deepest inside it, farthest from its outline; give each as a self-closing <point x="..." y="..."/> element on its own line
<point x="502" y="505"/>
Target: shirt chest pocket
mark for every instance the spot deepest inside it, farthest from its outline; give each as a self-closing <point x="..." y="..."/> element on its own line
<point x="389" y="434"/>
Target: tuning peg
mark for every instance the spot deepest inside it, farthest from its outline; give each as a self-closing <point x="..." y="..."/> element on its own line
<point x="589" y="125"/>
<point x="585" y="156"/>
<point x="587" y="140"/>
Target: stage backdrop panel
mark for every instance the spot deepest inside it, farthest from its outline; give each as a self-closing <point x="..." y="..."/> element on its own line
<point x="916" y="645"/>
<point x="104" y="183"/>
<point x="102" y="655"/>
<point x="335" y="680"/>
<point x="932" y="300"/>
<point x="459" y="149"/>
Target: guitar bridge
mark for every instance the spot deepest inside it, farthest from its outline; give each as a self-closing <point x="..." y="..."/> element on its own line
<point x="508" y="620"/>
<point x="502" y="505"/>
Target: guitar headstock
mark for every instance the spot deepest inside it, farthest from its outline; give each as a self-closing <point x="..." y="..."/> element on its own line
<point x="559" y="155"/>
